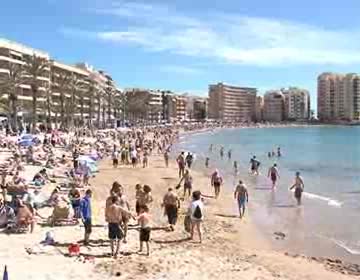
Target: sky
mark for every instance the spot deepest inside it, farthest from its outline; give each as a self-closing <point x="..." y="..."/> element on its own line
<point x="186" y="45"/>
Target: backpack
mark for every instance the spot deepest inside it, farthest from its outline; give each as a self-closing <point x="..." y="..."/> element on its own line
<point x="197" y="213"/>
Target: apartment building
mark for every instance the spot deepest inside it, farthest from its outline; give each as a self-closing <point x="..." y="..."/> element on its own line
<point x="259" y="109"/>
<point x="66" y="84"/>
<point x="232" y="103"/>
<point x="12" y="53"/>
<point x="200" y="108"/>
<point x="297" y="104"/>
<point x="338" y="97"/>
<point x="274" y="106"/>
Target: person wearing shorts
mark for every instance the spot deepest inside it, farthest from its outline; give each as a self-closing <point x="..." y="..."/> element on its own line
<point x="85" y="209"/>
<point x="114" y="216"/>
<point x="299" y="187"/>
<point x="145" y="230"/>
<point x="242" y="197"/>
<point x="273" y="174"/>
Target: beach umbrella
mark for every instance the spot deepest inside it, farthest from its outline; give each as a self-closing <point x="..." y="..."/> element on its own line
<point x="5" y="276"/>
<point x="26" y="143"/>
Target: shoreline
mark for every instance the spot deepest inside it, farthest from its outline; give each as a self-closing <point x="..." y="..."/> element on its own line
<point x="231" y="248"/>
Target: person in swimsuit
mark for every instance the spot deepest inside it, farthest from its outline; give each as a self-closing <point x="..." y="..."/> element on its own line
<point x="299" y="187"/>
<point x="242" y="197"/>
<point x="216" y="182"/>
<point x="273" y="174"/>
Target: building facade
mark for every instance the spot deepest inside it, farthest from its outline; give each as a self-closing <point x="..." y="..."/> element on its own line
<point x="232" y="103"/>
<point x="297" y="104"/>
<point x="274" y="106"/>
<point x="259" y="109"/>
<point x="76" y="92"/>
<point x="338" y="97"/>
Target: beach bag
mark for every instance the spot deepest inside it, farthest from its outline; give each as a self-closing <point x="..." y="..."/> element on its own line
<point x="187" y="223"/>
<point x="74" y="249"/>
<point x="197" y="213"/>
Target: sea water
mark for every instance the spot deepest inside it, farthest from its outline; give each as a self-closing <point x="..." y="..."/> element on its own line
<point x="328" y="158"/>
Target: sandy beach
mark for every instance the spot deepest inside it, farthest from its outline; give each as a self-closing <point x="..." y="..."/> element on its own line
<point x="231" y="248"/>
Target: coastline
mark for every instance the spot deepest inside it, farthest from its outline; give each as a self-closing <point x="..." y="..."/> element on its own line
<point x="231" y="249"/>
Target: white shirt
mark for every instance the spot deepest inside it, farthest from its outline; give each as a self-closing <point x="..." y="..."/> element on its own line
<point x="193" y="206"/>
<point x="133" y="154"/>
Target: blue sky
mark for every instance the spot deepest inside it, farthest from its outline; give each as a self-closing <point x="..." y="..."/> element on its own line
<point x="185" y="45"/>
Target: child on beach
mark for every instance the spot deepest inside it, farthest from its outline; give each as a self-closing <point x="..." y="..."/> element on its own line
<point x="299" y="187"/>
<point x="144" y="222"/>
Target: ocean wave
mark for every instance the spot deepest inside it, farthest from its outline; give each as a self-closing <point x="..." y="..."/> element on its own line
<point x="347" y="248"/>
<point x="330" y="201"/>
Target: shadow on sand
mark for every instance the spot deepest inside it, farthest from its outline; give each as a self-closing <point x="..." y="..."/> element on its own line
<point x="171" y="241"/>
<point x="227" y="215"/>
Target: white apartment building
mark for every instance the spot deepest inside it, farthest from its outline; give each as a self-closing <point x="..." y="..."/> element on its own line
<point x="297" y="104"/>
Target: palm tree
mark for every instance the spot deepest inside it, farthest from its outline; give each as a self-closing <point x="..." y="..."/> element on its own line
<point x="110" y="99"/>
<point x="99" y="98"/>
<point x="35" y="67"/>
<point x="48" y="105"/>
<point x="62" y="81"/>
<point x="91" y="92"/>
<point x="137" y="104"/>
<point x="10" y="85"/>
<point x="76" y="85"/>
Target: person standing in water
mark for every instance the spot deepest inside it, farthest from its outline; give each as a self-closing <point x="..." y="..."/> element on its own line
<point x="299" y="187"/>
<point x="254" y="166"/>
<point x="278" y="152"/>
<point x="207" y="162"/>
<point x="273" y="174"/>
<point x="229" y="154"/>
<point x="236" y="168"/>
<point x="242" y="197"/>
<point x="222" y="152"/>
<point x="211" y="148"/>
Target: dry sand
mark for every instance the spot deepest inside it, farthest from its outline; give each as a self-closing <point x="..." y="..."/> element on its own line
<point x="231" y="248"/>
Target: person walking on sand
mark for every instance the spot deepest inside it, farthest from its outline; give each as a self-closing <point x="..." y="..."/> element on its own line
<point x="115" y="157"/>
<point x="196" y="213"/>
<point x="216" y="182"/>
<point x="188" y="181"/>
<point x="171" y="204"/>
<point x="273" y="174"/>
<point x="134" y="157"/>
<point x="166" y="158"/>
<point x="144" y="221"/>
<point x="181" y="164"/>
<point x="242" y="197"/>
<point x="115" y="215"/>
<point x="85" y="208"/>
<point x="299" y="187"/>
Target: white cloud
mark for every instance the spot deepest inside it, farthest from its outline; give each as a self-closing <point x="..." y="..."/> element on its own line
<point x="229" y="38"/>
